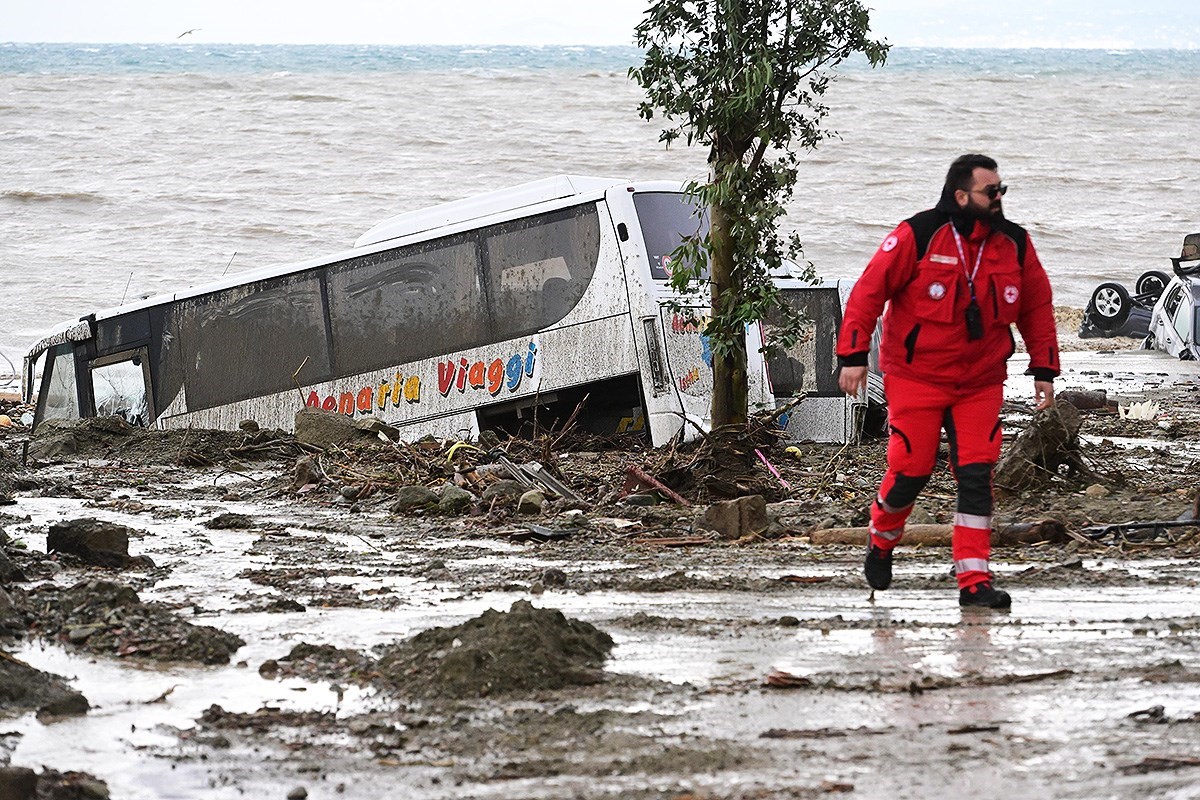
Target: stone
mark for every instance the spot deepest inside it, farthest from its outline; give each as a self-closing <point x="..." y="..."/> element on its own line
<point x="455" y="500"/>
<point x="505" y="488"/>
<point x="734" y="519"/>
<point x="18" y="783"/>
<point x="377" y="427"/>
<point x="10" y="572"/>
<point x="324" y="429"/>
<point x="553" y="576"/>
<point x="305" y="472"/>
<point x="101" y="543"/>
<point x="531" y="502"/>
<point x="413" y="497"/>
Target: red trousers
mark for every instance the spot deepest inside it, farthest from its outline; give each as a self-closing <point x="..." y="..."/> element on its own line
<point x="917" y="413"/>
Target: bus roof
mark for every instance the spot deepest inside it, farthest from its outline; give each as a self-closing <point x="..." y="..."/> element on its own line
<point x="577" y="188"/>
<point x="483" y="205"/>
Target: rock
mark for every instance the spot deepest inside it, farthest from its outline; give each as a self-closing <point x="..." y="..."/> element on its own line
<point x="248" y="425"/>
<point x="101" y="543"/>
<point x="24" y="688"/>
<point x="305" y="472"/>
<point x="1097" y="490"/>
<point x="455" y="500"/>
<point x="411" y="497"/>
<point x="553" y="576"/>
<point x="487" y="440"/>
<point x="10" y="572"/>
<point x="324" y="429"/>
<point x="643" y="499"/>
<point x="531" y="502"/>
<point x="505" y="489"/>
<point x="742" y="516"/>
<point x="299" y="793"/>
<point x="229" y="521"/>
<point x="377" y="427"/>
<point x="18" y="783"/>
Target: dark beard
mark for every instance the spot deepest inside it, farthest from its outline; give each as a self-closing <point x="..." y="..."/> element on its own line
<point x="984" y="213"/>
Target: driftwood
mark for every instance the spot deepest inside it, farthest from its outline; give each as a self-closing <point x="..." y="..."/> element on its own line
<point x="1050" y="442"/>
<point x="940" y="535"/>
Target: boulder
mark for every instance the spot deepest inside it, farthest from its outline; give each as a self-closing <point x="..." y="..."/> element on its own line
<point x="531" y="502"/>
<point x="742" y="516"/>
<point x="413" y="497"/>
<point x="324" y="429"/>
<point x="455" y="500"/>
<point x="101" y="543"/>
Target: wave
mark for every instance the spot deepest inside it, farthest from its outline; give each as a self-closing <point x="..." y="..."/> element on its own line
<point x="34" y="196"/>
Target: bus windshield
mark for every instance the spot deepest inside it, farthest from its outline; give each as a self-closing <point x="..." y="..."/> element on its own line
<point x="667" y="220"/>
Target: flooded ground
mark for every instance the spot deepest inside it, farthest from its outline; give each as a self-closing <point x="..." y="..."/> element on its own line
<point x="755" y="668"/>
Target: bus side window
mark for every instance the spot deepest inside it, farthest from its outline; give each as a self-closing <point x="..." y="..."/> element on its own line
<point x="539" y="268"/>
<point x="248" y="341"/>
<point x="404" y="305"/>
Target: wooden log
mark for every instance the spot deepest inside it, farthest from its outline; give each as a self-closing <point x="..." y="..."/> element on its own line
<point x="940" y="535"/>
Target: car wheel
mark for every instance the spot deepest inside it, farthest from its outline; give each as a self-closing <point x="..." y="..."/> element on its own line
<point x="1110" y="304"/>
<point x="1152" y="282"/>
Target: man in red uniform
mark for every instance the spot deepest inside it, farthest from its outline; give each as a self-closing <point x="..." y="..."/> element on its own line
<point x="950" y="282"/>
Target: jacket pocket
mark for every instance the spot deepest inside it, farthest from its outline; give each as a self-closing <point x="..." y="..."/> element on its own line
<point x="1006" y="296"/>
<point x="933" y="293"/>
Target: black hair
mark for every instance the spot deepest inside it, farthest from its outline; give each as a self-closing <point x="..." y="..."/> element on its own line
<point x="961" y="171"/>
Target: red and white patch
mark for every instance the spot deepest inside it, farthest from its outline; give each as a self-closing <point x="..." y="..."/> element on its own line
<point x="1011" y="293"/>
<point x="937" y="290"/>
<point x="889" y="244"/>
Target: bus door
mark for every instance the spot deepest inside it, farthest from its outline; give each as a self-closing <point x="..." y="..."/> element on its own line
<point x="676" y="362"/>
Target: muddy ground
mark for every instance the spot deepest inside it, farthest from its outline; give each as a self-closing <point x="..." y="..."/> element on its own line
<point x="282" y="624"/>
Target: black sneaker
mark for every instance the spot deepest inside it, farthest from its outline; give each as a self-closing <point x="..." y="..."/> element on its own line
<point x="878" y="567"/>
<point x="984" y="595"/>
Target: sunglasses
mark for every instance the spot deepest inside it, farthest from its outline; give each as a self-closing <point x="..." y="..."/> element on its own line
<point x="993" y="192"/>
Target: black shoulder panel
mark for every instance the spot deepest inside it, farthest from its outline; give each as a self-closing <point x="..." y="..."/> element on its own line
<point x="1015" y="232"/>
<point x="924" y="225"/>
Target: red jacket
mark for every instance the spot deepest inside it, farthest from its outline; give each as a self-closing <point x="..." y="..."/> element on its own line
<point x="919" y="276"/>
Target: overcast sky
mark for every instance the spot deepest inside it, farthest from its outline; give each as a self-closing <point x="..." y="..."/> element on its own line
<point x="937" y="23"/>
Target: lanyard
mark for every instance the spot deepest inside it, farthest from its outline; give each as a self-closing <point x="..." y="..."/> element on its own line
<point x="962" y="255"/>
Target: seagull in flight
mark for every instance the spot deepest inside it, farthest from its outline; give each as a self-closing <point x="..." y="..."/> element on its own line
<point x="185" y="33"/>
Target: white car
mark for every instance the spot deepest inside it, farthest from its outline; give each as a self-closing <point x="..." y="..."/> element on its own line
<point x="1175" y="317"/>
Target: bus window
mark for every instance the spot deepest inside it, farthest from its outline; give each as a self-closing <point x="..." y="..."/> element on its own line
<point x="60" y="395"/>
<point x="667" y="219"/>
<point x="404" y="305"/>
<point x="538" y="268"/>
<point x="119" y="388"/>
<point x="248" y="341"/>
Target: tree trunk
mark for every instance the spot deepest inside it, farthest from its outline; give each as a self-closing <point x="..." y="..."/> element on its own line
<point x="730" y="384"/>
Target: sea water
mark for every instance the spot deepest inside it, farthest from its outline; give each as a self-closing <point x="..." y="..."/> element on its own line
<point x="133" y="170"/>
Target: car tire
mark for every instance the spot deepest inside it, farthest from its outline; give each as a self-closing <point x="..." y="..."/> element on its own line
<point x="1152" y="282"/>
<point x="1110" y="306"/>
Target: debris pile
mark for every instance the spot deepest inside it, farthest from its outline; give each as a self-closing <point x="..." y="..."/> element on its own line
<point x="523" y="649"/>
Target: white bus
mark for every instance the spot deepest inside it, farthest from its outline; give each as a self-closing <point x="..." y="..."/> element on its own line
<point x="475" y="314"/>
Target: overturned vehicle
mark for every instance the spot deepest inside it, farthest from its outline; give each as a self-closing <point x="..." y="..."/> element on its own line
<point x="1162" y="310"/>
<point x="542" y="303"/>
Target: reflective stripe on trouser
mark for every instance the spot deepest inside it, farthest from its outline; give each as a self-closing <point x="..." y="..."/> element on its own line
<point x="917" y="413"/>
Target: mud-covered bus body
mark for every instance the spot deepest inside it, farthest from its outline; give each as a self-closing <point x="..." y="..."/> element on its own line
<point x="492" y="312"/>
